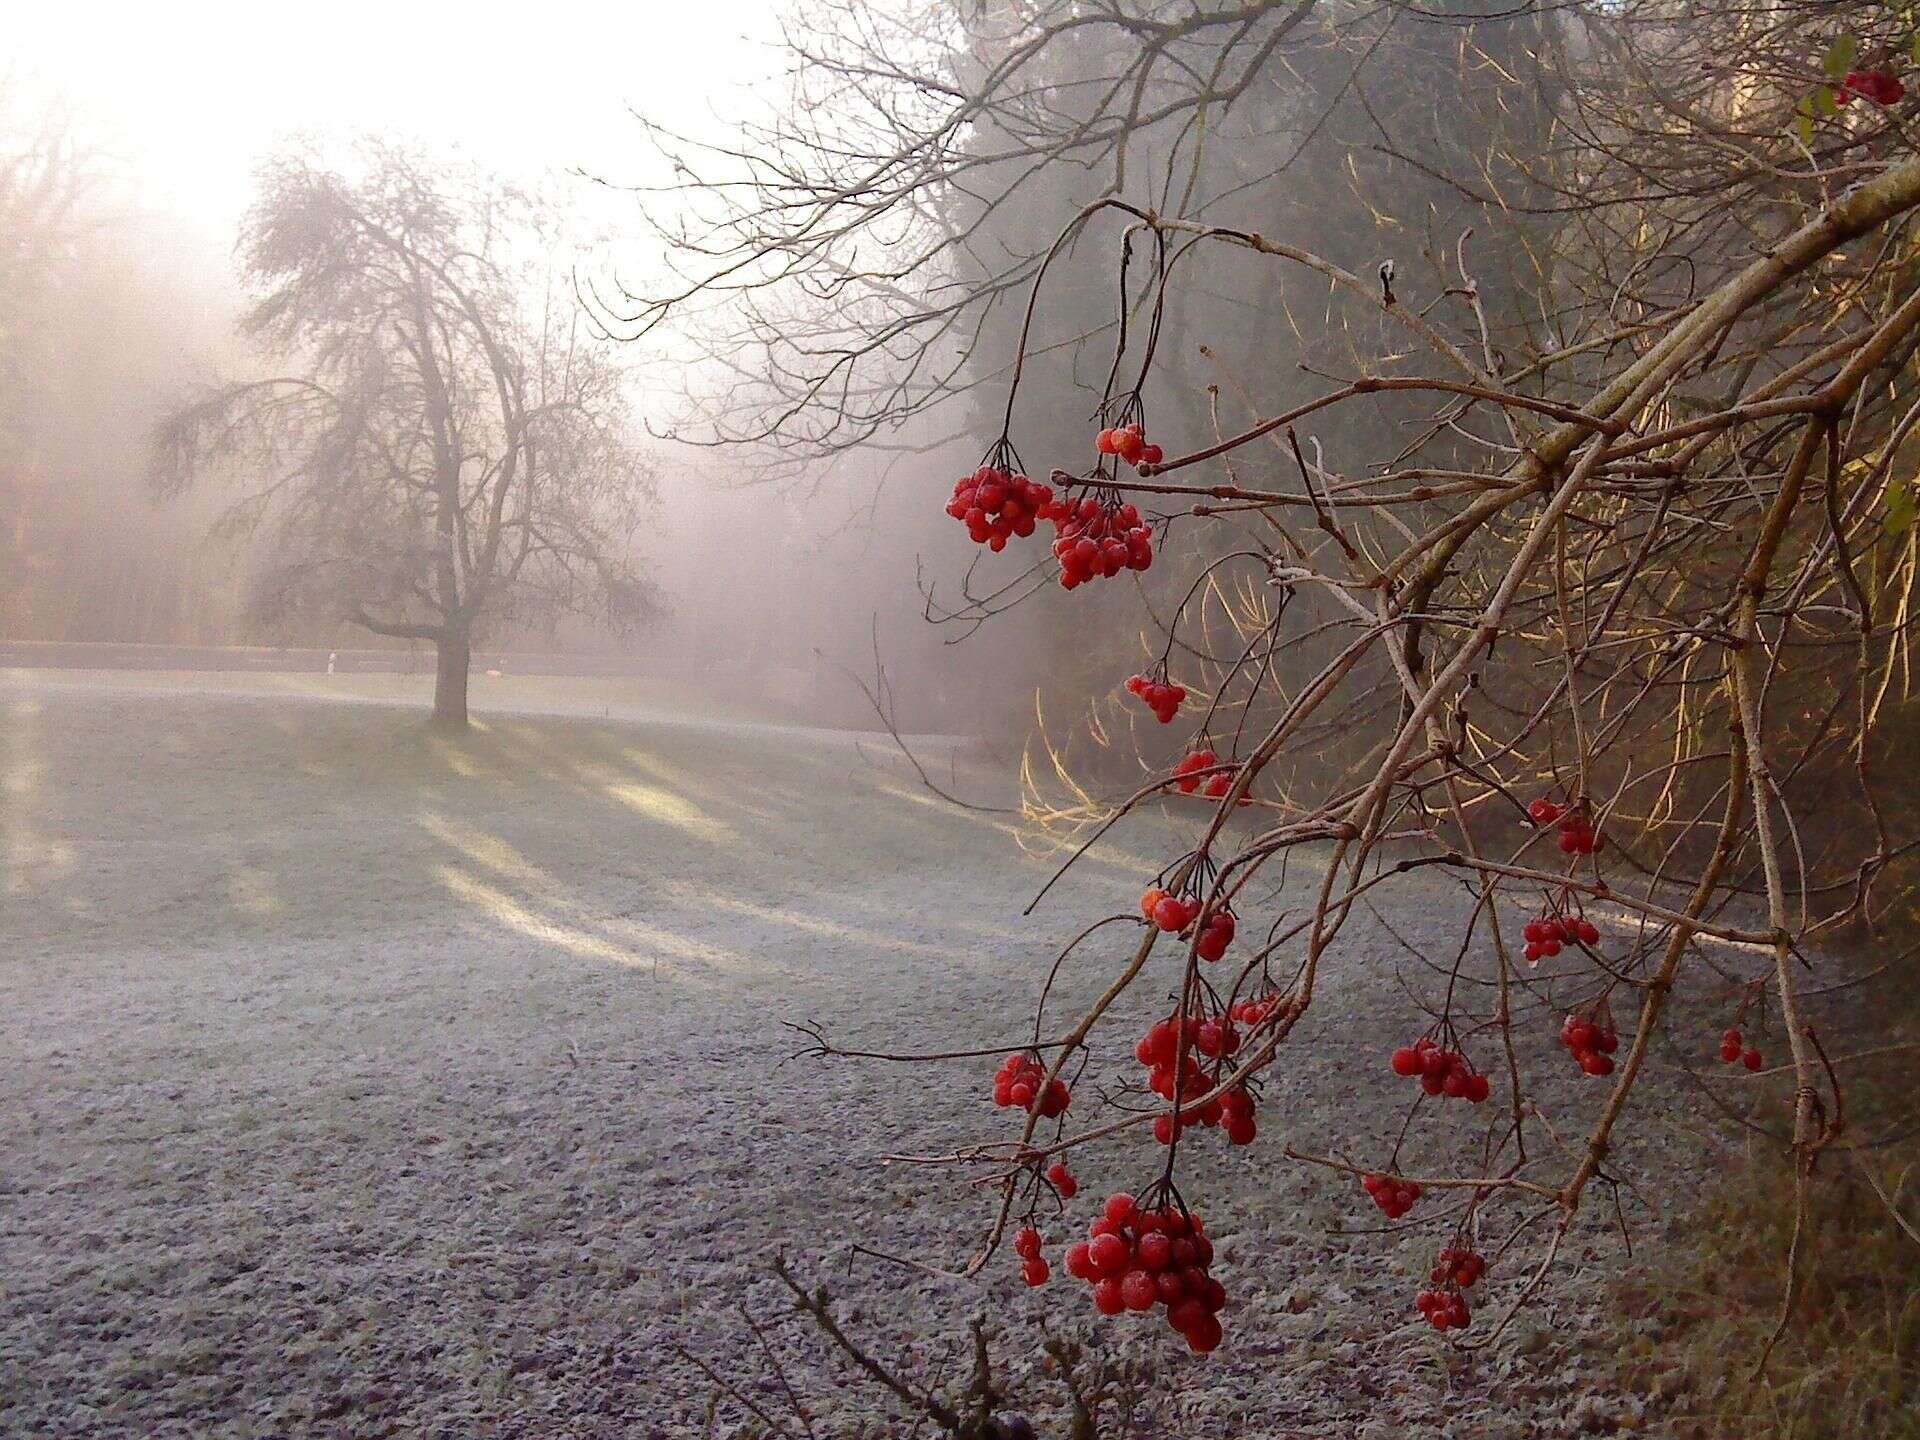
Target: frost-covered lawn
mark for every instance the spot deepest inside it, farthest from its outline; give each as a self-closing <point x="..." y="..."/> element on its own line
<point x="358" y="1082"/>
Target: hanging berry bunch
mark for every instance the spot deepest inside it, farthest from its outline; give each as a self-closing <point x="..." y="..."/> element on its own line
<point x="1591" y="1040"/>
<point x="1879" y="86"/>
<point x="1168" y="912"/>
<point x="1578" y="834"/>
<point x="1441" y="1070"/>
<point x="1097" y="536"/>
<point x="1176" y="1077"/>
<point x="996" y="502"/>
<point x="1021" y="1084"/>
<point x="1176" y="914"/>
<point x="1548" y="933"/>
<point x="1253" y="1011"/>
<point x="1157" y="693"/>
<point x="1394" y="1197"/>
<point x="1135" y="1259"/>
<point x="1033" y="1264"/>
<point x="1190" y="772"/>
<point x="1454" y="1272"/>
<point x="1129" y="443"/>
<point x="1734" y="1051"/>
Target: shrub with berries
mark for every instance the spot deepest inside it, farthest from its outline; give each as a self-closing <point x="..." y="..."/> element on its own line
<point x="1580" y="611"/>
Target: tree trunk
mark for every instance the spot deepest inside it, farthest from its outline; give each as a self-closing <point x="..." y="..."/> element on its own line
<point x="454" y="654"/>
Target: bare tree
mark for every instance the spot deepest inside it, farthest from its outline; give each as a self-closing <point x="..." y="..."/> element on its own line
<point x="449" y="449"/>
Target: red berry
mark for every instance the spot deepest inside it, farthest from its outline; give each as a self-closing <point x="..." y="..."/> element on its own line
<point x="1107" y="1298"/>
<point x="1188" y="1313"/>
<point x="1751" y="1059"/>
<point x="1155" y="1251"/>
<point x="1062" y="1180"/>
<point x="1139" y="1290"/>
<point x="1109" y="1255"/>
<point x="1026" y="1242"/>
<point x="1035" y="1271"/>
<point x="1204" y="1335"/>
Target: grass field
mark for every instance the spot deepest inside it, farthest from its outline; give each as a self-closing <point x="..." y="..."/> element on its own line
<point x="362" y="1082"/>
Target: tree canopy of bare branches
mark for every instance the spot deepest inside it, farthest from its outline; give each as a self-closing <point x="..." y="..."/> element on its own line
<point x="449" y="446"/>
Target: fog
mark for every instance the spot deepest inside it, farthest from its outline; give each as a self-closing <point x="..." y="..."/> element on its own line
<point x="123" y="297"/>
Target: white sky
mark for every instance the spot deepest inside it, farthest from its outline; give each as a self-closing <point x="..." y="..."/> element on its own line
<point x="192" y="94"/>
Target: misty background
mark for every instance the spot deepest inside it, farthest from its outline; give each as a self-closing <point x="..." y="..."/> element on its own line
<point x="125" y="174"/>
<point x="784" y="562"/>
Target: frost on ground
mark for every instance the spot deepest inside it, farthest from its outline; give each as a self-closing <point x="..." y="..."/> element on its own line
<point x="363" y="1083"/>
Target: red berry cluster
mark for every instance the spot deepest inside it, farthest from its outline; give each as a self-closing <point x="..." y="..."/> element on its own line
<point x="1882" y="87"/>
<point x="1170" y="913"/>
<point x="1159" y="1051"/>
<point x="1252" y="1012"/>
<point x="1175" y="915"/>
<point x="1129" y="442"/>
<point x="1441" y="1071"/>
<point x="1093" y="537"/>
<point x="1136" y="1259"/>
<point x="1577" y="833"/>
<point x="994" y="504"/>
<point x="1546" y="935"/>
<point x="1445" y="1307"/>
<point x="1189" y="768"/>
<point x="1590" y="1043"/>
<point x="1731" y="1051"/>
<point x="1022" y="1083"/>
<point x="1033" y="1265"/>
<point x="1062" y="1180"/>
<point x="1215" y="935"/>
<point x="1159" y="696"/>
<point x="1394" y="1197"/>
<point x="1457" y="1266"/>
